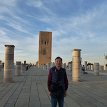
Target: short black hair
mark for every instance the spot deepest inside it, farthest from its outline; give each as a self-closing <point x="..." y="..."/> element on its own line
<point x="58" y="58"/>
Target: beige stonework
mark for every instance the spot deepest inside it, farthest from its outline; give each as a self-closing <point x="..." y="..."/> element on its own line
<point x="48" y="66"/>
<point x="89" y="67"/>
<point x="64" y="65"/>
<point x="45" y="47"/>
<point x="92" y="67"/>
<point x="9" y="63"/>
<point x="85" y="64"/>
<point x="18" y="68"/>
<point x="70" y="66"/>
<point x="105" y="67"/>
<point x="76" y="64"/>
<point x="101" y="68"/>
<point x="96" y="68"/>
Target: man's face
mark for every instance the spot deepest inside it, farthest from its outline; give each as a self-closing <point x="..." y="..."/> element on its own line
<point x="58" y="62"/>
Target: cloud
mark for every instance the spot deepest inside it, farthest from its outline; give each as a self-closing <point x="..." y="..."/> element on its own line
<point x="6" y="6"/>
<point x="34" y="3"/>
<point x="85" y="26"/>
<point x="17" y="24"/>
<point x="2" y="33"/>
<point x="26" y="48"/>
<point x="21" y="21"/>
<point x="41" y="6"/>
<point x="80" y="31"/>
<point x="18" y="27"/>
<point x="9" y="16"/>
<point x="6" y="39"/>
<point x="9" y="3"/>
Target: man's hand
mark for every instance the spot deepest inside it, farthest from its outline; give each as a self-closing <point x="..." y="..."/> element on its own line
<point x="50" y="93"/>
<point x="65" y="94"/>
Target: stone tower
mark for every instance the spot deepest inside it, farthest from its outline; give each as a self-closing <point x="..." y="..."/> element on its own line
<point x="45" y="47"/>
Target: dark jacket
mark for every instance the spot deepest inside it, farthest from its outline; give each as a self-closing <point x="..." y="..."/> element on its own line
<point x="57" y="81"/>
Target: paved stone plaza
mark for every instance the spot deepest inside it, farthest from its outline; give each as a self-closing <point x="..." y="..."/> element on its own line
<point x="30" y="90"/>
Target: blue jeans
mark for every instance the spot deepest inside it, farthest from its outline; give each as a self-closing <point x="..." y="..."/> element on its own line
<point x="55" y="100"/>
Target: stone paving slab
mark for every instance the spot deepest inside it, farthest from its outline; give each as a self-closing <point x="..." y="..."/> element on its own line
<point x="30" y="90"/>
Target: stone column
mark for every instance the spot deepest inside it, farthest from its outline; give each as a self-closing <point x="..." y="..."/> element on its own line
<point x="70" y="66"/>
<point x="18" y="68"/>
<point x="92" y="67"/>
<point x="96" y="68"/>
<point x="85" y="64"/>
<point x="76" y="64"/>
<point x="9" y="63"/>
<point x="51" y="65"/>
<point x="24" y="62"/>
<point x="101" y="68"/>
<point x="48" y="66"/>
<point x="65" y="65"/>
<point x="105" y="67"/>
<point x="43" y="67"/>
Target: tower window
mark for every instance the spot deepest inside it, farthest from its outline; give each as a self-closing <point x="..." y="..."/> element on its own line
<point x="45" y="42"/>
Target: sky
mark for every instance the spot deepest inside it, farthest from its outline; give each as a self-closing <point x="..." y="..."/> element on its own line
<point x="80" y="24"/>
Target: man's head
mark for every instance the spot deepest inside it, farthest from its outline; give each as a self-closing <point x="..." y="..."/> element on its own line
<point x="58" y="62"/>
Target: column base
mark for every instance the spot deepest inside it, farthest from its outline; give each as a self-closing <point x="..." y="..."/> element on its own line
<point x="8" y="81"/>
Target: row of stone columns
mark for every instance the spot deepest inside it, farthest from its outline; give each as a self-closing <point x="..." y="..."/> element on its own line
<point x="91" y="67"/>
<point x="49" y="65"/>
<point x="9" y="65"/>
<point x="76" y="65"/>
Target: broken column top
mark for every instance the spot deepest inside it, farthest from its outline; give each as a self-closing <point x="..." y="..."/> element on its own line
<point x="45" y="32"/>
<point x="76" y="52"/>
<point x="76" y="49"/>
<point x="9" y="46"/>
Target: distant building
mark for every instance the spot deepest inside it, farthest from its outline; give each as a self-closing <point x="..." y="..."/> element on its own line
<point x="45" y="47"/>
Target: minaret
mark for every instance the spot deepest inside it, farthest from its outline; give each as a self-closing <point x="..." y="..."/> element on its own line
<point x="45" y="47"/>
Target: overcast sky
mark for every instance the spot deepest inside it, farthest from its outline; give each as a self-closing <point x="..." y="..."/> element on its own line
<point x="78" y="24"/>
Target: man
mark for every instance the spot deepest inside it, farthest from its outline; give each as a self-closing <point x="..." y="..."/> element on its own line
<point x="83" y="69"/>
<point x="57" y="83"/>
